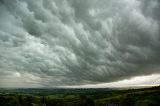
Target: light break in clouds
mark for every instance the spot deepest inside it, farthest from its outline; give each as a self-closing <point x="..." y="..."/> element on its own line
<point x="48" y="43"/>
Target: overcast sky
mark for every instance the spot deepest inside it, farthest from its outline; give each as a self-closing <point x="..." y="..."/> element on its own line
<point x="83" y="43"/>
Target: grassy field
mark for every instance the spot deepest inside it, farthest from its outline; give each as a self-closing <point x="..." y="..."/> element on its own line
<point x="80" y="97"/>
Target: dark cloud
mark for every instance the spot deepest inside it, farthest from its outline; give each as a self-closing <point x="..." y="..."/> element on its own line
<point x="73" y="42"/>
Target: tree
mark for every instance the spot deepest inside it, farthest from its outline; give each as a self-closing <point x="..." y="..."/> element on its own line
<point x="43" y="100"/>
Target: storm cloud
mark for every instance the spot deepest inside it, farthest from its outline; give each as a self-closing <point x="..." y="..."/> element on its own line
<point x="78" y="42"/>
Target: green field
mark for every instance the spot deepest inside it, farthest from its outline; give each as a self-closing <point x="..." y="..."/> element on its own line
<point x="80" y="97"/>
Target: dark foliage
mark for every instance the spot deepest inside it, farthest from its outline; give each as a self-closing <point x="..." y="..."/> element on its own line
<point x="131" y="97"/>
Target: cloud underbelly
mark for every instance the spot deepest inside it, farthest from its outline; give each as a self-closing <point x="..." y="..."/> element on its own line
<point x="79" y="42"/>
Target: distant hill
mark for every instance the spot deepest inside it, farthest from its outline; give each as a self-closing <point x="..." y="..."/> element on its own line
<point x="80" y="97"/>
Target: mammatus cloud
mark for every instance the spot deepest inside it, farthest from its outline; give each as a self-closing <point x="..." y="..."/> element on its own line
<point x="74" y="42"/>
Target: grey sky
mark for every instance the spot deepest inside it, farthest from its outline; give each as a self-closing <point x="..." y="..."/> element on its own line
<point x="48" y="43"/>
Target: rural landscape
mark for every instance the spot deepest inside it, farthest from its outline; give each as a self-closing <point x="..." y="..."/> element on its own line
<point x="79" y="52"/>
<point x="80" y="97"/>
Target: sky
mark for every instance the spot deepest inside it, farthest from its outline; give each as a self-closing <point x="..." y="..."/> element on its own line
<point x="79" y="43"/>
